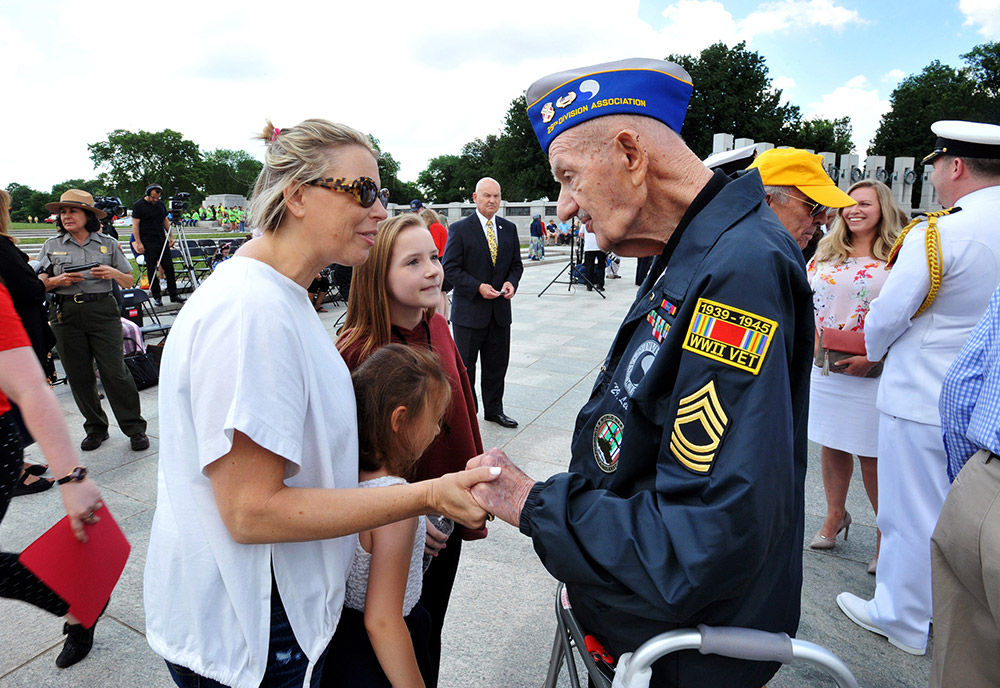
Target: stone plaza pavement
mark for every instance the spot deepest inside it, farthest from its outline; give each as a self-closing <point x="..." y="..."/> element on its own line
<point x="501" y="621"/>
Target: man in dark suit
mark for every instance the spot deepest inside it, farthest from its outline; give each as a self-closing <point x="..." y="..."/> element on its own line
<point x="483" y="261"/>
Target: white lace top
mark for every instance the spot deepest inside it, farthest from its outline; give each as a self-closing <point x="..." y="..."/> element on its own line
<point x="357" y="577"/>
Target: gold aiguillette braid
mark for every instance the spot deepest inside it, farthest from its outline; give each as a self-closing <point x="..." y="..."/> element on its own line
<point x="932" y="244"/>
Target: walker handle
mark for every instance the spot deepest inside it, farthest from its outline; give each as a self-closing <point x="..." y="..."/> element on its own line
<point x="746" y="643"/>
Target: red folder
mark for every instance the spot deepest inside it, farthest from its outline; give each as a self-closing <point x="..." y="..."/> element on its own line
<point x="83" y="574"/>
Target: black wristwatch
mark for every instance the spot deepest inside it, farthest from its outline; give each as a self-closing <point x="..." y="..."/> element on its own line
<point x="76" y="475"/>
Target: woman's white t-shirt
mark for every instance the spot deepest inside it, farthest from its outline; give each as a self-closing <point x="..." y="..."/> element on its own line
<point x="246" y="353"/>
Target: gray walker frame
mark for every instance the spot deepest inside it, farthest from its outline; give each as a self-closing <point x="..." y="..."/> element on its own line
<point x="740" y="643"/>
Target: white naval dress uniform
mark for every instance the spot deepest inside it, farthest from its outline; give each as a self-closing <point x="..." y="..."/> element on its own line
<point x="912" y="467"/>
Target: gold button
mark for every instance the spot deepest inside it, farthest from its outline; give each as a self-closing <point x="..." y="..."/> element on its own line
<point x="651" y="296"/>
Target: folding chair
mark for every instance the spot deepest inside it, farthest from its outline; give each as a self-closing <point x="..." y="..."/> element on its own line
<point x="135" y="307"/>
<point x="634" y="668"/>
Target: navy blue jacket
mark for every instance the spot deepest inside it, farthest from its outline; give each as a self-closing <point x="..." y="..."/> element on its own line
<point x="684" y="501"/>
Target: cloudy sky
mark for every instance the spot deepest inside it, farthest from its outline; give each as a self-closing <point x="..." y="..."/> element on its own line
<point x="422" y="77"/>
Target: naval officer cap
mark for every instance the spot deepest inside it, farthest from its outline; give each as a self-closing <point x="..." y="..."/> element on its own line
<point x="965" y="140"/>
<point x="637" y="86"/>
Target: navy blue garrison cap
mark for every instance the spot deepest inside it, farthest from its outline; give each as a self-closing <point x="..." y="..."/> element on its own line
<point x="636" y="86"/>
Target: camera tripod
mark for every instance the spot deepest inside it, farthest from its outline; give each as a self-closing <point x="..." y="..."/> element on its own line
<point x="575" y="259"/>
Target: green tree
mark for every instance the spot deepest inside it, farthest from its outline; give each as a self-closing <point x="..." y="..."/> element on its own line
<point x="937" y="92"/>
<point x="20" y="196"/>
<point x="984" y="70"/>
<point x="824" y="135"/>
<point x="228" y="171"/>
<point x="388" y="171"/>
<point x="95" y="187"/>
<point x="519" y="163"/>
<point x="132" y="160"/>
<point x="441" y="181"/>
<point x="733" y="94"/>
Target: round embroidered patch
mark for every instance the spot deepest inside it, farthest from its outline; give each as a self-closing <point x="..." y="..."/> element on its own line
<point x="608" y="442"/>
<point x="643" y="356"/>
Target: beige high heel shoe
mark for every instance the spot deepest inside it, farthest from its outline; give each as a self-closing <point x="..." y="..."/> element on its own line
<point x="821" y="541"/>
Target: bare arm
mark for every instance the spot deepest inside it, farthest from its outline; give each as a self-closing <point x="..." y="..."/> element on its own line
<point x="22" y="379"/>
<point x="63" y="280"/>
<point x="257" y="507"/>
<point x="392" y="548"/>
<point x="139" y="248"/>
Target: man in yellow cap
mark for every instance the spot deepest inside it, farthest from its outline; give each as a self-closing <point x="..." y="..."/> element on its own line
<point x="799" y="190"/>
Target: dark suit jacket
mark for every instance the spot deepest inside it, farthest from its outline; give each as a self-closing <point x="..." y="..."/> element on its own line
<point x="467" y="265"/>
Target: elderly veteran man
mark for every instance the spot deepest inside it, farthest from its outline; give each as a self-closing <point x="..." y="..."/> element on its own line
<point x="683" y="504"/>
<point x="922" y="318"/>
<point x="792" y="174"/>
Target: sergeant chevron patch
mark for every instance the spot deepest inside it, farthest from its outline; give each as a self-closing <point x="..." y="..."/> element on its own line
<point x="698" y="429"/>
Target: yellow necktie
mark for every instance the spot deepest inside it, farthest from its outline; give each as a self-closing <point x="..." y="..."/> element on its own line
<point x="491" y="239"/>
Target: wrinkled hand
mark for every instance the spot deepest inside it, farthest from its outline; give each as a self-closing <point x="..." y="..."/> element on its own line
<point x="435" y="541"/>
<point x="507" y="290"/>
<point x="857" y="366"/>
<point x="451" y="496"/>
<point x="81" y="500"/>
<point x="505" y="496"/>
<point x="487" y="291"/>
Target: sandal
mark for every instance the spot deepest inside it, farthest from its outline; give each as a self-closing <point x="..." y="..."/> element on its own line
<point x="37" y="469"/>
<point x="23" y="488"/>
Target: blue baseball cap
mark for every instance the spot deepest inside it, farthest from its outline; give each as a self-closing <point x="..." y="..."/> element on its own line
<point x="636" y="86"/>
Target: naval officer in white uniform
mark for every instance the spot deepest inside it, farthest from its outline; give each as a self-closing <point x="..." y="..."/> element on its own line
<point x="919" y="322"/>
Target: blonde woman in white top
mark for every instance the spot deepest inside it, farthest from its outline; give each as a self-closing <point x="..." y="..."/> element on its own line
<point x="846" y="275"/>
<point x="248" y="558"/>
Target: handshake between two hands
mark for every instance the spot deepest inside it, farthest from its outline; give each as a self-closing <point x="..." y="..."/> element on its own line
<point x="480" y="492"/>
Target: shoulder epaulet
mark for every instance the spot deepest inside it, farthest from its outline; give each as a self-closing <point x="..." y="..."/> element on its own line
<point x="932" y="244"/>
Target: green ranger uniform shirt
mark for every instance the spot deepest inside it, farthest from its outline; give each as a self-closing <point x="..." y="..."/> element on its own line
<point x="62" y="251"/>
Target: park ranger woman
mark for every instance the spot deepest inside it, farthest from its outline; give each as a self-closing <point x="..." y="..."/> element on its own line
<point x="78" y="267"/>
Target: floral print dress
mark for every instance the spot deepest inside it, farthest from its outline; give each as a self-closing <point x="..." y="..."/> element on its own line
<point x="842" y="413"/>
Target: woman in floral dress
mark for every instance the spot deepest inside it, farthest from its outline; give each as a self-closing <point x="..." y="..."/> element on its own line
<point x="846" y="275"/>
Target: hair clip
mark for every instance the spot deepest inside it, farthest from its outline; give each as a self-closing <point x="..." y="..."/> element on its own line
<point x="275" y="133"/>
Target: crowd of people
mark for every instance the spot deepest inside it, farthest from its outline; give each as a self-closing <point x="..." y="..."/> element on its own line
<point x="312" y="536"/>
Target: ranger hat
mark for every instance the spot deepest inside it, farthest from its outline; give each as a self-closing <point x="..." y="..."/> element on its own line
<point x="965" y="140"/>
<point x="76" y="198"/>
<point x="803" y="170"/>
<point x="636" y="86"/>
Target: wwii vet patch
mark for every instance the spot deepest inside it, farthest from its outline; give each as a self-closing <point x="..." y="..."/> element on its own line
<point x="698" y="429"/>
<point x="730" y="335"/>
<point x="608" y="442"/>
